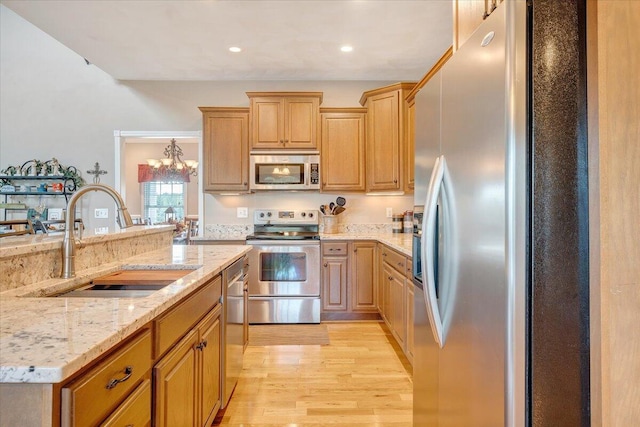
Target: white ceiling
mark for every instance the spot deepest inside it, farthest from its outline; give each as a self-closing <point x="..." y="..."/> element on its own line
<point x="281" y="40"/>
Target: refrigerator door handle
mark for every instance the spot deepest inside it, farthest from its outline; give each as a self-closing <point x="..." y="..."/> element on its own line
<point x="428" y="242"/>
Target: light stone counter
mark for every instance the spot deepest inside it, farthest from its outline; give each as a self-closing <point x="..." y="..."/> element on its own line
<point x="45" y="340"/>
<point x="401" y="242"/>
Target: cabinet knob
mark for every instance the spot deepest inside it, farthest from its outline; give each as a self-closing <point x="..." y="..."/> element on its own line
<point x="395" y="181"/>
<point x="390" y="278"/>
<point x="245" y="183"/>
<point x="325" y="264"/>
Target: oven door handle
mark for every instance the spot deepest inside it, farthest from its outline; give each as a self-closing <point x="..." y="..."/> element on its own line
<point x="283" y="242"/>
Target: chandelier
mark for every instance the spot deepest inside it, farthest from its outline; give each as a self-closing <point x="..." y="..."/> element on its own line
<point x="173" y="166"/>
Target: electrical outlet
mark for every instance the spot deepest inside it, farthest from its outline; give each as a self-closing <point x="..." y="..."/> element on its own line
<point x="102" y="213"/>
<point x="389" y="212"/>
<point x="101" y="230"/>
<point x="243" y="212"/>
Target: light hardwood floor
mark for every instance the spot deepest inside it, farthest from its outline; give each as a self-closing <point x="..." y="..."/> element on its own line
<point x="360" y="379"/>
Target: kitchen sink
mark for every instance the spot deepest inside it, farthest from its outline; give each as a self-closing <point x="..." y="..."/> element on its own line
<point x="126" y="283"/>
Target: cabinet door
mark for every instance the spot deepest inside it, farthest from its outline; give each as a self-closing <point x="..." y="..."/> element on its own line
<point x="175" y="384"/>
<point x="334" y="283"/>
<point x="382" y="283"/>
<point x="409" y="306"/>
<point x="267" y="122"/>
<point x="363" y="278"/>
<point x="409" y="155"/>
<point x="342" y="146"/>
<point x="209" y="349"/>
<point x="383" y="142"/>
<point x="397" y="283"/>
<point x="387" y="307"/>
<point x="467" y="17"/>
<point x="301" y="123"/>
<point x="226" y="150"/>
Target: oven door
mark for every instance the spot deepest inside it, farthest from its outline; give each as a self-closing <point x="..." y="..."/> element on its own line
<point x="284" y="268"/>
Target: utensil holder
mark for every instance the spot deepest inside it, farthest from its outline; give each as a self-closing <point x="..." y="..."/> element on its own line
<point x="330" y="224"/>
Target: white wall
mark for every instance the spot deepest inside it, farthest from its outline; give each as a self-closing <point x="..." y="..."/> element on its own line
<point x="55" y="105"/>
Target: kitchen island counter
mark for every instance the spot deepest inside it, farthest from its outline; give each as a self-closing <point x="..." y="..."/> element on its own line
<point x="46" y="340"/>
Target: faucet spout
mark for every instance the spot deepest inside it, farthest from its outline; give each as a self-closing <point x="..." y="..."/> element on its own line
<point x="69" y="243"/>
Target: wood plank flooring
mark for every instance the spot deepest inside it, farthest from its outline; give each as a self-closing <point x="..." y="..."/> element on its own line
<point x="359" y="379"/>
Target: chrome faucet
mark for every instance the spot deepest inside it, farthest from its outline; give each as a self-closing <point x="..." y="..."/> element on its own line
<point x="69" y="243"/>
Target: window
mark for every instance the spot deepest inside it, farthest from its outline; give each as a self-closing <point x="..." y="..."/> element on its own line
<point x="157" y="197"/>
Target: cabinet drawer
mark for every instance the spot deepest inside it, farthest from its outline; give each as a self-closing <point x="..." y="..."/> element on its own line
<point x="92" y="397"/>
<point x="395" y="260"/>
<point x="135" y="411"/>
<point x="171" y="326"/>
<point x="335" y="248"/>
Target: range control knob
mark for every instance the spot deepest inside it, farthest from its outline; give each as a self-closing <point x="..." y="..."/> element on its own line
<point x="261" y="214"/>
<point x="269" y="214"/>
<point x="303" y="214"/>
<point x="310" y="214"/>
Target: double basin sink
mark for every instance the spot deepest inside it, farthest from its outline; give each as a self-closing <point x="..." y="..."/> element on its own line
<point x="126" y="283"/>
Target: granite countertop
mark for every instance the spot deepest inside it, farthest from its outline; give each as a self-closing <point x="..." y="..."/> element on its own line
<point x="401" y="242"/>
<point x="26" y="243"/>
<point x="46" y="340"/>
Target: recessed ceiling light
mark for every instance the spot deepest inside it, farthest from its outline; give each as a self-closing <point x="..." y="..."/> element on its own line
<point x="346" y="48"/>
<point x="235" y="49"/>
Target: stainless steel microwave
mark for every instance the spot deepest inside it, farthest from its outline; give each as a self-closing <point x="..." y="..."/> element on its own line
<point x="284" y="171"/>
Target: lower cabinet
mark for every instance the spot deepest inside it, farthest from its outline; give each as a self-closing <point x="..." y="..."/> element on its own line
<point x="107" y="390"/>
<point x="396" y="293"/>
<point x="187" y="379"/>
<point x="349" y="282"/>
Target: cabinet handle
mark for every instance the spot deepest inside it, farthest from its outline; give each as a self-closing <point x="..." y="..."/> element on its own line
<point x="400" y="264"/>
<point x="384" y="254"/>
<point x="390" y="278"/>
<point x="202" y="345"/>
<point x="245" y="183"/>
<point x="355" y="250"/>
<point x="114" y="382"/>
<point x="286" y="141"/>
<point x="325" y="264"/>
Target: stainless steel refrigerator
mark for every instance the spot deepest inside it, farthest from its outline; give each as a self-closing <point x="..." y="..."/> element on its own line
<point x="501" y="266"/>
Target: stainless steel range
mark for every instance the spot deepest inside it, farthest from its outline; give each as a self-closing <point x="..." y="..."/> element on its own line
<point x="284" y="273"/>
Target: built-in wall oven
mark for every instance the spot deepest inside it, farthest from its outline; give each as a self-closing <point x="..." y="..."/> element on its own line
<point x="284" y="278"/>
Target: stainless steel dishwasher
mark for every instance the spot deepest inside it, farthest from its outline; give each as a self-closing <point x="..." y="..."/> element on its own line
<point x="233" y="326"/>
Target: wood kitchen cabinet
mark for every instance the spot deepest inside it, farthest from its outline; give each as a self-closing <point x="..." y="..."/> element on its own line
<point x="409" y="154"/>
<point x="387" y="135"/>
<point x="343" y="149"/>
<point x="187" y="379"/>
<point x="349" y="282"/>
<point x="335" y="262"/>
<point x="284" y="120"/>
<point x="397" y="292"/>
<point x="114" y="384"/>
<point x="363" y="295"/>
<point x="467" y="17"/>
<point x="225" y="149"/>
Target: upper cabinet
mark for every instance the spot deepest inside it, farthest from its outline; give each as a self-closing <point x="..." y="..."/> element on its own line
<point x="343" y="149"/>
<point x="285" y="120"/>
<point x="225" y="149"/>
<point x="387" y="136"/>
<point x="467" y="17"/>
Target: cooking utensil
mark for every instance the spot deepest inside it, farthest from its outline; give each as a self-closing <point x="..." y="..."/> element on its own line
<point x="322" y="210"/>
<point x="341" y="201"/>
<point x="338" y="210"/>
<point x="331" y="206"/>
